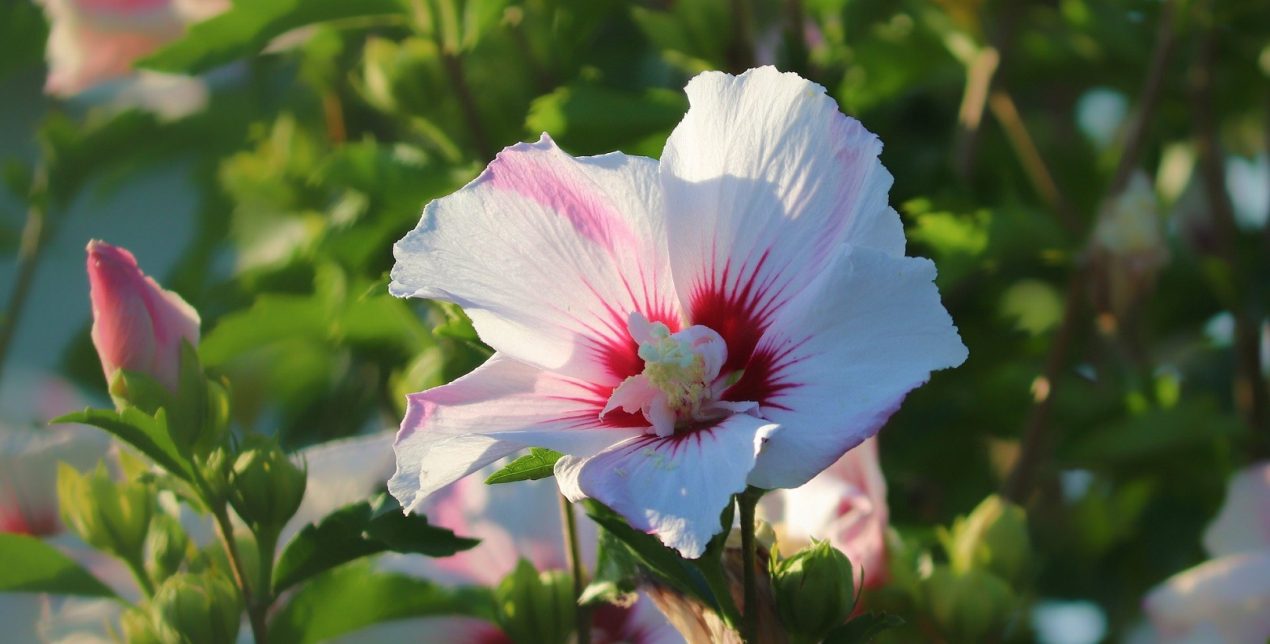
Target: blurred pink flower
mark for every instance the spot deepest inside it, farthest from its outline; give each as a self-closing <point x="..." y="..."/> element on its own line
<point x="137" y="325"/>
<point x="740" y="313"/>
<point x="845" y="504"/>
<point x="28" y="473"/>
<point x="1225" y="599"/>
<point x="92" y="41"/>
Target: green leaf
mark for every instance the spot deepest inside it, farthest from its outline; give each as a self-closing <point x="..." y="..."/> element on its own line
<point x="582" y="118"/>
<point x="355" y="596"/>
<point x="863" y="628"/>
<point x="149" y="434"/>
<point x="29" y="565"/>
<point x="358" y="530"/>
<point x="687" y="576"/>
<point x="539" y="463"/>
<point x="246" y="29"/>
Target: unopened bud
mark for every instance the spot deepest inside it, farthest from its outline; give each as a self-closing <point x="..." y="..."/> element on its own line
<point x="137" y="625"/>
<point x="814" y="590"/>
<point x="994" y="538"/>
<point x="266" y="487"/>
<point x="109" y="516"/>
<point x="197" y="609"/>
<point x="970" y="606"/>
<point x="167" y="547"/>
<point x="536" y="607"/>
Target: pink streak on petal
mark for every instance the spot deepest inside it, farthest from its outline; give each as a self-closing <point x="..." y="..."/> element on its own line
<point x="533" y="178"/>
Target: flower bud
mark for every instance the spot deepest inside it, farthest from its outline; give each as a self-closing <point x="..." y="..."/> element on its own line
<point x="814" y="591"/>
<point x="266" y="487"/>
<point x="994" y="538"/>
<point x="969" y="606"/>
<point x="167" y="546"/>
<point x="109" y="516"/>
<point x="1128" y="249"/>
<point x="137" y="325"/>
<point x="137" y="626"/>
<point x="536" y="607"/>
<point x="197" y="609"/>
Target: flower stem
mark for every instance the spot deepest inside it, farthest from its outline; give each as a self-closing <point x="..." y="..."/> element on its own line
<point x="747" y="501"/>
<point x="139" y="573"/>
<point x="573" y="553"/>
<point x="34" y="234"/>
<point x="259" y="631"/>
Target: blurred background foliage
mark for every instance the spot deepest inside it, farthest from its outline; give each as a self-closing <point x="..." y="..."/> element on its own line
<point x="1007" y="125"/>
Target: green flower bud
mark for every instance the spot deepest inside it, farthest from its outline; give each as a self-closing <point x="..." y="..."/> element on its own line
<point x="266" y="487"/>
<point x="536" y="607"/>
<point x="137" y="626"/>
<point x="814" y="590"/>
<point x="397" y="77"/>
<point x="994" y="538"/>
<point x="216" y="469"/>
<point x="113" y="517"/>
<point x="167" y="546"/>
<point x="969" y="606"/>
<point x="197" y="609"/>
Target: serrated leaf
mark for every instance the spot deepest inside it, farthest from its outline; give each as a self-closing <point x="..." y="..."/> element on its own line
<point x="358" y="530"/>
<point x="248" y="27"/>
<point x="539" y="463"/>
<point x="149" y="434"/>
<point x="863" y="628"/>
<point x="354" y="596"/>
<point x="29" y="565"/>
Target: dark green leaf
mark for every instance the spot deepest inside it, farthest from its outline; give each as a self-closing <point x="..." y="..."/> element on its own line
<point x="684" y="575"/>
<point x="357" y="530"/>
<point x="355" y="596"/>
<point x="246" y="29"/>
<point x="149" y="434"/>
<point x="539" y="463"/>
<point x="29" y="565"/>
<point x="863" y="628"/>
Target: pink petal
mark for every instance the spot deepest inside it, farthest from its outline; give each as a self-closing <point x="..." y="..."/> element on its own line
<point x="137" y="325"/>
<point x="838" y="361"/>
<point x="568" y="249"/>
<point x="764" y="180"/>
<point x="674" y="487"/>
<point x="502" y="407"/>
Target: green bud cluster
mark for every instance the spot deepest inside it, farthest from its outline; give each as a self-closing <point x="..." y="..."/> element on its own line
<point x="113" y="517"/>
<point x="187" y="608"/>
<point x="536" y="607"/>
<point x="814" y="591"/>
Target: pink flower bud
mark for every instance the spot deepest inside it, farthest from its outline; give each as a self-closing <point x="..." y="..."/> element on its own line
<point x="137" y="325"/>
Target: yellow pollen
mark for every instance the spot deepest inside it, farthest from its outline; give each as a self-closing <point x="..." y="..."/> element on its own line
<point x="673" y="367"/>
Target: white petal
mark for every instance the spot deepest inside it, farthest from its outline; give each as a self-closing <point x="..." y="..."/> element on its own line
<point x="764" y="180"/>
<point x="1243" y="524"/>
<point x="1223" y="600"/>
<point x="838" y="361"/>
<point x="500" y="408"/>
<point x="675" y="487"/>
<point x="549" y="255"/>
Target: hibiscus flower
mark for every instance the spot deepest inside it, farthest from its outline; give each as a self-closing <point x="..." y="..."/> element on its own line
<point x="739" y="313"/>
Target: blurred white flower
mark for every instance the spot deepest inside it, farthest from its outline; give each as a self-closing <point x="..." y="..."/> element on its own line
<point x="1225" y="599"/>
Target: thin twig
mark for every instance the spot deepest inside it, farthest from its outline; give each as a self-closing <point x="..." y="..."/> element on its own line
<point x="471" y="113"/>
<point x="34" y="236"/>
<point x="1251" y="395"/>
<point x="256" y="617"/>
<point x="1148" y="98"/>
<point x="980" y="77"/>
<point x="740" y="52"/>
<point x="1006" y="113"/>
<point x="573" y="554"/>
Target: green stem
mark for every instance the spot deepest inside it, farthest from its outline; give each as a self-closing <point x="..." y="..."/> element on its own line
<point x="573" y="552"/>
<point x="747" y="501"/>
<point x="225" y="529"/>
<point x="34" y="234"/>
